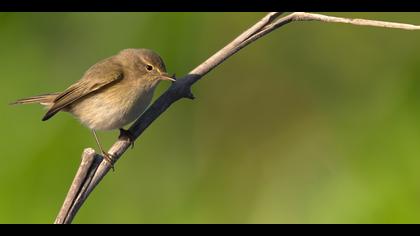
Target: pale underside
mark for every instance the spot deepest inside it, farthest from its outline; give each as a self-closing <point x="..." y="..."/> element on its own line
<point x="107" y="109"/>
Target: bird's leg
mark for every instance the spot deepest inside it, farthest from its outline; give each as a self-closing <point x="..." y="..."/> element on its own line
<point x="127" y="135"/>
<point x="108" y="157"/>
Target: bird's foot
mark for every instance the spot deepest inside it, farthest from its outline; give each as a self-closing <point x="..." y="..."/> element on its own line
<point x="127" y="135"/>
<point x="110" y="159"/>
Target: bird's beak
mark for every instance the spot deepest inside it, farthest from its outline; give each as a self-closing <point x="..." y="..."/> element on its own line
<point x="166" y="76"/>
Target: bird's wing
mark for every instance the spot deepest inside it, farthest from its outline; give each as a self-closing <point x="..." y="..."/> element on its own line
<point x="102" y="74"/>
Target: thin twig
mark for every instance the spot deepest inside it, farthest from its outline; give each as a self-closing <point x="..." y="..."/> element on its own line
<point x="89" y="175"/>
<point x="88" y="159"/>
<point x="302" y="16"/>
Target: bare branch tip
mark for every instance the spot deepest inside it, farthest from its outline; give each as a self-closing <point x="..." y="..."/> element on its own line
<point x="88" y="154"/>
<point x="88" y="151"/>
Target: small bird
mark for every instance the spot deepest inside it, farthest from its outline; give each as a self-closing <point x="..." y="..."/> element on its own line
<point x="111" y="94"/>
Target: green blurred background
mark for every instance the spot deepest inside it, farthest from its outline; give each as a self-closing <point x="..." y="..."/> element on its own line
<point x="314" y="123"/>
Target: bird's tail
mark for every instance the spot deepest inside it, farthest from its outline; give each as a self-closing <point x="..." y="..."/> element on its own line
<point x="44" y="99"/>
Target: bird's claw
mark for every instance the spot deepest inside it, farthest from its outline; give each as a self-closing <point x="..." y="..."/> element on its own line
<point x="127" y="135"/>
<point x="110" y="159"/>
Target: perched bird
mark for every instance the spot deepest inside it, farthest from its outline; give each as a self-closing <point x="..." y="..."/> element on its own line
<point x="111" y="94"/>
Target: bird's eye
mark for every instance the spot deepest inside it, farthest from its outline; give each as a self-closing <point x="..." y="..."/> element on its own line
<point x="149" y="67"/>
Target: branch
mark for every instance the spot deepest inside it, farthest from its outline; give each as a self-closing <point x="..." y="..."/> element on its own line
<point x="92" y="168"/>
<point x="90" y="162"/>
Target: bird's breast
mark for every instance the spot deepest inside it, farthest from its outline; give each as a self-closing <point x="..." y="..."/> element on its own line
<point x="113" y="107"/>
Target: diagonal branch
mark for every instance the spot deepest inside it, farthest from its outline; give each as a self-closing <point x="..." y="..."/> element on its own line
<point x="93" y="168"/>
